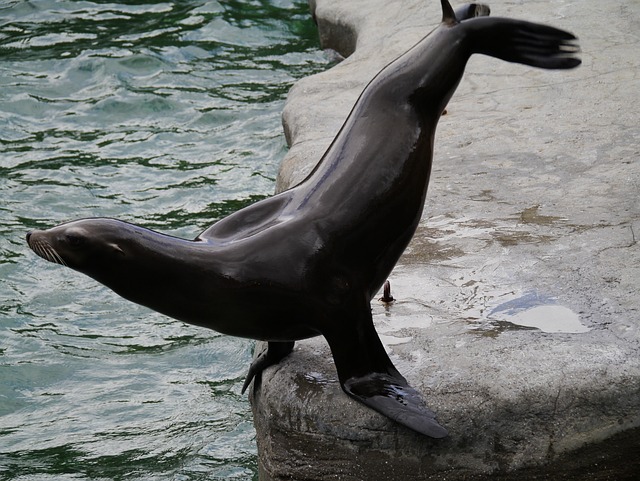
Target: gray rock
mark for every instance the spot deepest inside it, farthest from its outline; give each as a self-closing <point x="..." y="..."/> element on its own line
<point x="516" y="310"/>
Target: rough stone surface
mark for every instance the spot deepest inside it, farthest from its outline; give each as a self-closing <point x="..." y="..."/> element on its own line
<point x="516" y="310"/>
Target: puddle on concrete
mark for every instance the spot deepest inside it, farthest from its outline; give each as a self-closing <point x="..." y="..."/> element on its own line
<point x="391" y="340"/>
<point x="539" y="312"/>
<point x="317" y="378"/>
<point x="393" y="320"/>
<point x="467" y="305"/>
<point x="550" y="319"/>
<point x="509" y="238"/>
<point x="532" y="216"/>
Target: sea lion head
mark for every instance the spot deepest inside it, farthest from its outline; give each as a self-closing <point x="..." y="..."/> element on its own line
<point x="131" y="260"/>
<point x="85" y="245"/>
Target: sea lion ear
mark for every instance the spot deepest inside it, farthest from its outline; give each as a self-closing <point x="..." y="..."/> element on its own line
<point x="116" y="248"/>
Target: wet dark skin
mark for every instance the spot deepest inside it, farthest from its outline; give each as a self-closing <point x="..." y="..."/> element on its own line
<point x="308" y="261"/>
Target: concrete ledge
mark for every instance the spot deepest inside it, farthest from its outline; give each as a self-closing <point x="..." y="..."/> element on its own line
<point x="517" y="301"/>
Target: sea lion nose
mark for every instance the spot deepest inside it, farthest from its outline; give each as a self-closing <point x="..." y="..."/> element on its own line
<point x="28" y="236"/>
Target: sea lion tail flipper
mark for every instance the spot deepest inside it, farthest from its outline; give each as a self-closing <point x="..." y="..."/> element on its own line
<point x="367" y="374"/>
<point x="275" y="352"/>
<point x="523" y="42"/>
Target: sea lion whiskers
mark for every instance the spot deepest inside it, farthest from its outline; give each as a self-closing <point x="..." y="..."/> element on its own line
<point x="46" y="251"/>
<point x="50" y="254"/>
<point x="56" y="257"/>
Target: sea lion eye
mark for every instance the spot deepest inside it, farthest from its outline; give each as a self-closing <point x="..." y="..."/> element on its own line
<point x="74" y="240"/>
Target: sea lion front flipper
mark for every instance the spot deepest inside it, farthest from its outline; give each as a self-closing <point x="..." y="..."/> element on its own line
<point x="393" y="397"/>
<point x="248" y="221"/>
<point x="367" y="374"/>
<point x="275" y="352"/>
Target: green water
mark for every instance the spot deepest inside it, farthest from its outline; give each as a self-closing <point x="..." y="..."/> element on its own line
<point x="165" y="114"/>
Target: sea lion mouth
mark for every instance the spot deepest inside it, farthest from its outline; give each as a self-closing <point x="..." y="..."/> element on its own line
<point x="45" y="250"/>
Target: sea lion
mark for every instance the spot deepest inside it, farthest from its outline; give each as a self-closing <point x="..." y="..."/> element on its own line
<point x="308" y="261"/>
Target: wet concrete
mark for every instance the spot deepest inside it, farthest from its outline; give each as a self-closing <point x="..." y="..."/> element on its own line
<point x="516" y="311"/>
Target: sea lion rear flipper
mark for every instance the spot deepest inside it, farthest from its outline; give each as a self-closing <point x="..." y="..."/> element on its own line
<point x="367" y="374"/>
<point x="523" y="42"/>
<point x="275" y="352"/>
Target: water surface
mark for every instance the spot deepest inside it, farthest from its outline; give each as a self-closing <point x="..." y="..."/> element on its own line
<point x="162" y="114"/>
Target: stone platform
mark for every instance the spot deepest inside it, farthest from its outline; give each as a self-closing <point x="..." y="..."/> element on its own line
<point x="516" y="310"/>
